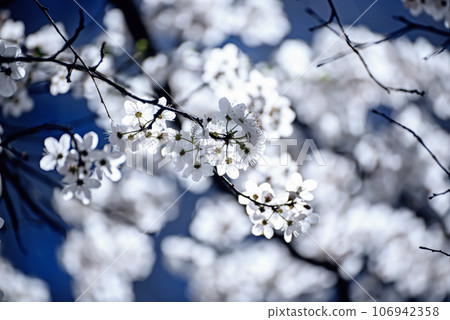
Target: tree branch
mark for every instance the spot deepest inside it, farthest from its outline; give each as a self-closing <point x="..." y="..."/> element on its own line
<point x="439" y="194"/>
<point x="98" y="75"/>
<point x="420" y="140"/>
<point x="77" y="56"/>
<point x="434" y="250"/>
<point x="71" y="41"/>
<point x="334" y="16"/>
<point x="135" y="24"/>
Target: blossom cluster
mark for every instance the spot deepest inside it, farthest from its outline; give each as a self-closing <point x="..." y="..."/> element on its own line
<point x="252" y="271"/>
<point x="210" y="22"/>
<point x="206" y="76"/>
<point x="288" y="212"/>
<point x="144" y="127"/>
<point x="228" y="142"/>
<point x="17" y="286"/>
<point x="123" y="211"/>
<point x="82" y="166"/>
<point x="436" y="8"/>
<point x="227" y="72"/>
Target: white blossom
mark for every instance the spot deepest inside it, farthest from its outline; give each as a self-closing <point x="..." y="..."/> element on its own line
<point x="17" y="104"/>
<point x="58" y="82"/>
<point x="262" y="225"/>
<point x="81" y="164"/>
<point x="84" y="145"/>
<point x="107" y="163"/>
<point x="297" y="185"/>
<point x="223" y="229"/>
<point x="438" y="9"/>
<point x="138" y="114"/>
<point x="287" y="212"/>
<point x="46" y="41"/>
<point x="10" y="72"/>
<point x="198" y="168"/>
<point x="15" y="286"/>
<point x="12" y="31"/>
<point x="118" y="137"/>
<point x="79" y="187"/>
<point x="55" y="152"/>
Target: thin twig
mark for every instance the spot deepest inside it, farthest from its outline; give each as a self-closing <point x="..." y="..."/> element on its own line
<point x="418" y="26"/>
<point x="334" y="16"/>
<point x="98" y="75"/>
<point x="33" y="130"/>
<point x="410" y="26"/>
<point x="274" y="207"/>
<point x="72" y="40"/>
<point x="439" y="194"/>
<point x="439" y="50"/>
<point x="434" y="250"/>
<point x="77" y="56"/>
<point x="102" y="56"/>
<point x="418" y="138"/>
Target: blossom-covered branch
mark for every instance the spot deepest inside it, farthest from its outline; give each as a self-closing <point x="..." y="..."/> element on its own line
<point x="96" y="74"/>
<point x="68" y="44"/>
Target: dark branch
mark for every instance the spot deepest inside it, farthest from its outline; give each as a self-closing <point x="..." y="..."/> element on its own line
<point x="334" y="16"/>
<point x="322" y="22"/>
<point x="102" y="56"/>
<point x="391" y="36"/>
<point x="34" y="130"/>
<point x="98" y="75"/>
<point x="77" y="56"/>
<point x="135" y="24"/>
<point x="74" y="37"/>
<point x="409" y="26"/>
<point x="417" y="26"/>
<point x="418" y="138"/>
<point x="233" y="188"/>
<point x="342" y="285"/>
<point x="439" y="194"/>
<point x="434" y="250"/>
<point x="439" y="50"/>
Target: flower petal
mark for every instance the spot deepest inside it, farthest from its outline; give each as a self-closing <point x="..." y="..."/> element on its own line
<point x="309" y="184"/>
<point x="257" y="230"/>
<point x="52" y="145"/>
<point x="224" y="105"/>
<point x="130" y="107"/>
<point x="288" y="235"/>
<point x="64" y="142"/>
<point x="313" y="218"/>
<point x="48" y="162"/>
<point x="268" y="232"/>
